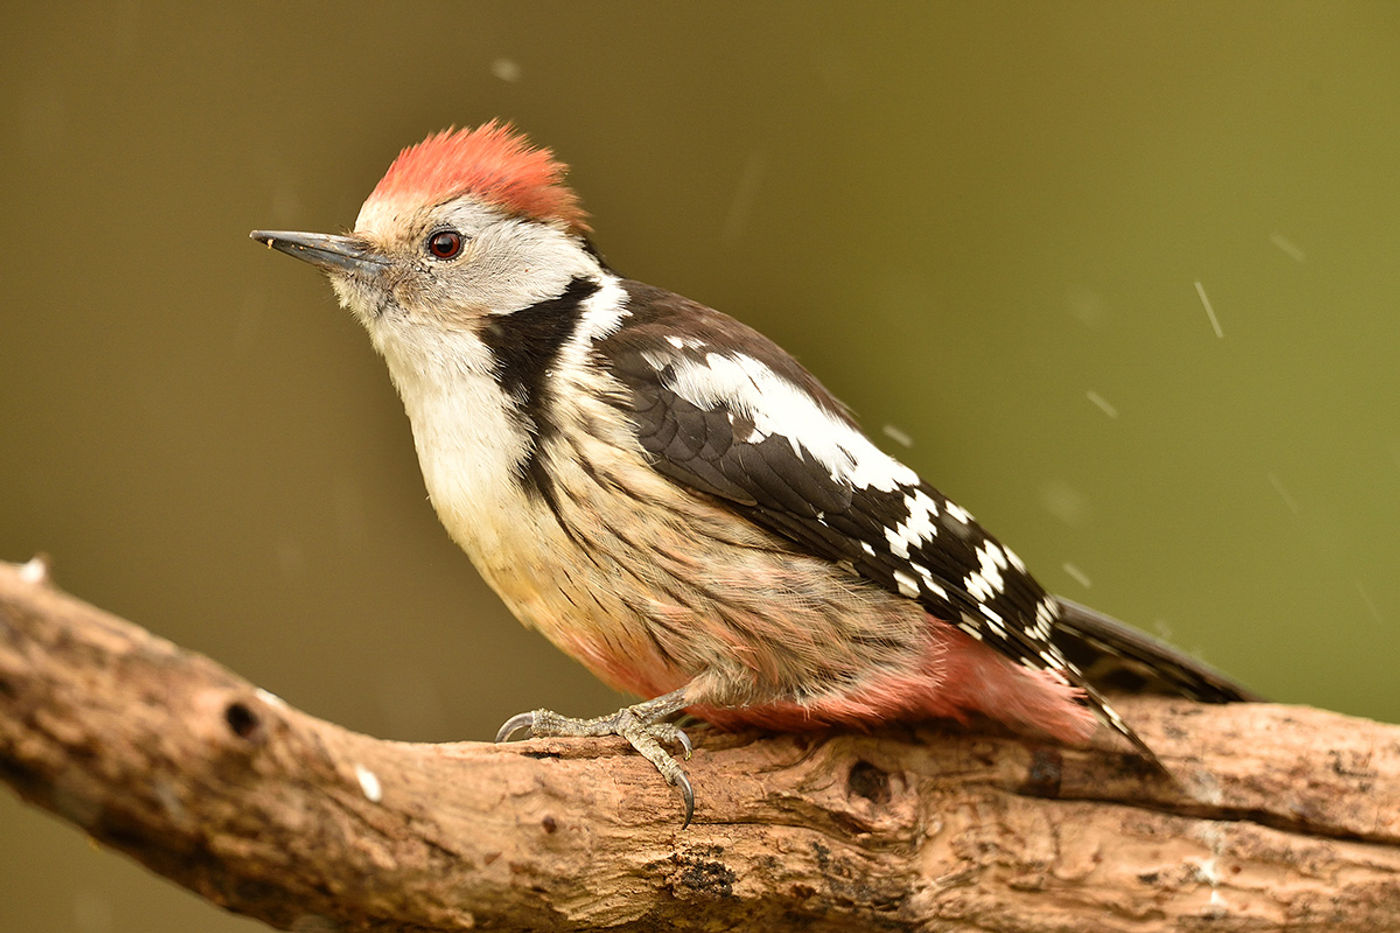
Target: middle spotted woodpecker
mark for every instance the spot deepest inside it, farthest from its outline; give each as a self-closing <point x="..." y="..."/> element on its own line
<point x="671" y="499"/>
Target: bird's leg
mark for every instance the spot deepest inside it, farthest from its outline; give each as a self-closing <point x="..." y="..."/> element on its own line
<point x="643" y="724"/>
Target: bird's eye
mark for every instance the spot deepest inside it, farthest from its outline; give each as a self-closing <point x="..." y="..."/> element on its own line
<point x="444" y="244"/>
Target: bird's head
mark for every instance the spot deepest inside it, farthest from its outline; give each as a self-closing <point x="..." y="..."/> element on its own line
<point x="466" y="226"/>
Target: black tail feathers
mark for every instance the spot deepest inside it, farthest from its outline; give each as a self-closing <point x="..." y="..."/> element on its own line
<point x="1118" y="658"/>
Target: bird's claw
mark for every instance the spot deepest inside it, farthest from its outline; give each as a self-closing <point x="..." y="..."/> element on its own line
<point x="647" y="740"/>
<point x="514" y="724"/>
<point x="667" y="733"/>
<point x="687" y="795"/>
<point x="638" y="724"/>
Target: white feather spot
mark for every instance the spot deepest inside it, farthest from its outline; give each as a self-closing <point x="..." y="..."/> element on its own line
<point x="978" y="587"/>
<point x="992" y="554"/>
<point x="1015" y="559"/>
<point x="930" y="585"/>
<point x="918" y="528"/>
<point x="987" y="582"/>
<point x="994" y="621"/>
<point x="906" y="584"/>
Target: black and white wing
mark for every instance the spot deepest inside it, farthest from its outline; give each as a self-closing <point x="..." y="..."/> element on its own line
<point x="722" y="409"/>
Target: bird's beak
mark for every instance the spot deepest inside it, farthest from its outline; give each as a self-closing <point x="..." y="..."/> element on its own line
<point x="325" y="251"/>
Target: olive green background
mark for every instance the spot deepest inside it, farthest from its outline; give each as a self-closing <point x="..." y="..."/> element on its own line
<point x="981" y="224"/>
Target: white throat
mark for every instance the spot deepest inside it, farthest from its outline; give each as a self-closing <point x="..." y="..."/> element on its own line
<point x="468" y="439"/>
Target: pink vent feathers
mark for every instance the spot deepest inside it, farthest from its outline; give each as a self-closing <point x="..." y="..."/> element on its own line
<point x="492" y="162"/>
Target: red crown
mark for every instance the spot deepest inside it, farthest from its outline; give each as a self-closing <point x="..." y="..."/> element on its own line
<point x="492" y="162"/>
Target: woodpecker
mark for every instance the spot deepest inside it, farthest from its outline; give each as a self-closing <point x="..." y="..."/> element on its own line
<point x="671" y="499"/>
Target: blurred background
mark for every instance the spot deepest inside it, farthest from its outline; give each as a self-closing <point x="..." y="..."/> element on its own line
<point x="1123" y="279"/>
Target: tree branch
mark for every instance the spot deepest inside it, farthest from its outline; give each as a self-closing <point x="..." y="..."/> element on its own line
<point x="1285" y="816"/>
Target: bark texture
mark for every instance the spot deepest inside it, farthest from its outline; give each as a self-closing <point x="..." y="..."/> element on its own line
<point x="1283" y="818"/>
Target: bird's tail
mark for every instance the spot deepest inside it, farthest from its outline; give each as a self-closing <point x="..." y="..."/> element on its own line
<point x="1118" y="658"/>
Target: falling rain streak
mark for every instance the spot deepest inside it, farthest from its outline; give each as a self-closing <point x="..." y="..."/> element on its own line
<point x="1210" y="312"/>
<point x="744" y="195"/>
<point x="1102" y="403"/>
<point x="1079" y="576"/>
<point x="1370" y="603"/>
<point x="1288" y="247"/>
<point x="1283" y="493"/>
<point x="897" y="435"/>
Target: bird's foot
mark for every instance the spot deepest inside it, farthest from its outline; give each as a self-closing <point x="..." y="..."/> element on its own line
<point x="642" y="724"/>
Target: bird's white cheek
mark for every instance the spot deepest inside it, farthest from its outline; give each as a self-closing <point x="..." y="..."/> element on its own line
<point x="363" y="300"/>
<point x="346" y="291"/>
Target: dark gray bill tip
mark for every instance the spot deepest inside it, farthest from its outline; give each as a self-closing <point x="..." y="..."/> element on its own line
<point x="323" y="250"/>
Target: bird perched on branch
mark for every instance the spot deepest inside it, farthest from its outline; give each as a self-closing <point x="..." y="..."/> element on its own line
<point x="668" y="497"/>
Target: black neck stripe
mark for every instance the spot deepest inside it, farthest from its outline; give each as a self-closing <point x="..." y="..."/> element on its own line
<point x="526" y="343"/>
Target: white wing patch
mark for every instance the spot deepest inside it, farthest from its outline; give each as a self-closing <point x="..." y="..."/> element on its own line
<point x="958" y="512"/>
<point x="917" y="529"/>
<point x="979" y="584"/>
<point x="776" y="406"/>
<point x="986" y="582"/>
<point x="1046" y="614"/>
